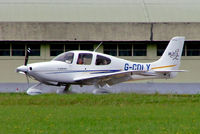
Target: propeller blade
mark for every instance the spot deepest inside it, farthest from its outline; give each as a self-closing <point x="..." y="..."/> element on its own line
<point x="27" y="55"/>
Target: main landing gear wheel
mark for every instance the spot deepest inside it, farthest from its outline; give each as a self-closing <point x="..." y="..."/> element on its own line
<point x="100" y="90"/>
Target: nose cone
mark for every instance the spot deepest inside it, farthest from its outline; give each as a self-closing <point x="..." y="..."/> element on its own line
<point x="22" y="69"/>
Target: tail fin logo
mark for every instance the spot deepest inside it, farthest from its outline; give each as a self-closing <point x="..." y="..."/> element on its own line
<point x="174" y="55"/>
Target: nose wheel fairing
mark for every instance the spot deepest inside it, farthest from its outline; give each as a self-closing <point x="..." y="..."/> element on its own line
<point x="33" y="90"/>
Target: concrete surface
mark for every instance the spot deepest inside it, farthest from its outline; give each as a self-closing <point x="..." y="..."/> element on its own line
<point x="140" y="88"/>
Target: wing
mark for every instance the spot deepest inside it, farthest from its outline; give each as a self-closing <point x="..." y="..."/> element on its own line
<point x="118" y="77"/>
<point x="110" y="79"/>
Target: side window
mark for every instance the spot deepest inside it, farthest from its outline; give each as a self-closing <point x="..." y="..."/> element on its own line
<point x="68" y="58"/>
<point x="65" y="57"/>
<point x="101" y="60"/>
<point x="84" y="59"/>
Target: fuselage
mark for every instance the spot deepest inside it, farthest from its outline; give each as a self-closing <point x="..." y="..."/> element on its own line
<point x="63" y="71"/>
<point x="93" y="68"/>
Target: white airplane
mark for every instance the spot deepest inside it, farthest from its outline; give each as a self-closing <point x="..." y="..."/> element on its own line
<point x="93" y="68"/>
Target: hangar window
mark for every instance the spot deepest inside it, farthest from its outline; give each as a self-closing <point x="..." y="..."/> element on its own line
<point x="18" y="49"/>
<point x="140" y="49"/>
<point x="84" y="59"/>
<point x="35" y="49"/>
<point x="71" y="46"/>
<point x="193" y="48"/>
<point x="56" y="49"/>
<point x="87" y="46"/>
<point x="102" y="60"/>
<point x="110" y="49"/>
<point x="125" y="49"/>
<point x="4" y="49"/>
<point x="161" y="46"/>
<point x="184" y="51"/>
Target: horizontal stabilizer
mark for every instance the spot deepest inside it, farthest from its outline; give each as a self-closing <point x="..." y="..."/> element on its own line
<point x="168" y="71"/>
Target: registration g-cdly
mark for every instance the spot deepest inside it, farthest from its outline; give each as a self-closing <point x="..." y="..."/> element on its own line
<point x="93" y="68"/>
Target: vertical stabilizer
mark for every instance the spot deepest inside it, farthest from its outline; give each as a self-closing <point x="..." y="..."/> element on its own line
<point x="172" y="55"/>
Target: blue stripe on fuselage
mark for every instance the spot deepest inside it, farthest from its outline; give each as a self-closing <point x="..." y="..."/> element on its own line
<point x="92" y="71"/>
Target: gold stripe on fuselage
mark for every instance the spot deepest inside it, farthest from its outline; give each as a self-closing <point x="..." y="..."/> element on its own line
<point x="163" y="67"/>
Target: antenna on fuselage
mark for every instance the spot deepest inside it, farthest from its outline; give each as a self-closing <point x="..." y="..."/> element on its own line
<point x="98" y="46"/>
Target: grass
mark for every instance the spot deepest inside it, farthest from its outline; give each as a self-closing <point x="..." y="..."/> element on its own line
<point x="99" y="114"/>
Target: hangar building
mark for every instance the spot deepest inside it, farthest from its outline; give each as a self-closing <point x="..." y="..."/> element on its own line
<point x="137" y="30"/>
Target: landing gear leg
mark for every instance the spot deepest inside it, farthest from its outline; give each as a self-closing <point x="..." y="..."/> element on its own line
<point x="67" y="89"/>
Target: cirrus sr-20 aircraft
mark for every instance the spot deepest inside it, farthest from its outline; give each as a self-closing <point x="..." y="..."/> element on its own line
<point x="93" y="68"/>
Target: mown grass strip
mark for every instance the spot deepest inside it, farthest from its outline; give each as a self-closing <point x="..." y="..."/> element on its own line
<point x="90" y="99"/>
<point x="99" y="114"/>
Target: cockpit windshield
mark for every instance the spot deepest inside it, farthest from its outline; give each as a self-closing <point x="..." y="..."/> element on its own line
<point x="65" y="57"/>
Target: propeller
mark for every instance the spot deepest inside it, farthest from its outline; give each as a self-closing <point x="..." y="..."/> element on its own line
<point x="24" y="68"/>
<point x="28" y="51"/>
<point x="26" y="56"/>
